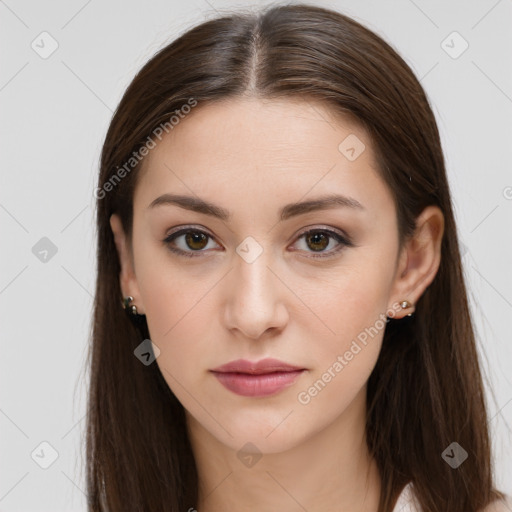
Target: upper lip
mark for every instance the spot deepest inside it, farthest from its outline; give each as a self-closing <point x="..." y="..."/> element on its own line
<point x="267" y="365"/>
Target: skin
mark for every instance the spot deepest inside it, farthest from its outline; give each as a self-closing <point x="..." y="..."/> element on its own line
<point x="252" y="157"/>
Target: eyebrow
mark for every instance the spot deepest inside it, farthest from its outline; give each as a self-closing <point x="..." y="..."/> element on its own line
<point x="290" y="210"/>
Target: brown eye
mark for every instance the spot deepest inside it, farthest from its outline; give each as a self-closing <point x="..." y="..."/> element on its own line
<point x="189" y="242"/>
<point x="317" y="241"/>
<point x="324" y="242"/>
<point x="196" y="240"/>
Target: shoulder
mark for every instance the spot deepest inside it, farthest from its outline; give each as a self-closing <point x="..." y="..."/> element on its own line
<point x="407" y="502"/>
<point x="504" y="505"/>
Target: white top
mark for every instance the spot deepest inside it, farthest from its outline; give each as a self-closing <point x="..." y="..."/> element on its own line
<point x="407" y="503"/>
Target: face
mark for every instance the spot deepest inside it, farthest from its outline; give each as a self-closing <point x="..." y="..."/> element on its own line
<point x="307" y="286"/>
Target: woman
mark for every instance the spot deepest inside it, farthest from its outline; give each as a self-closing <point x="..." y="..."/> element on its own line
<point x="274" y="217"/>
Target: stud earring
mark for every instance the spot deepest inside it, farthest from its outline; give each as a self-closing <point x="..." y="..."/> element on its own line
<point x="137" y="319"/>
<point x="126" y="305"/>
<point x="132" y="309"/>
<point x="405" y="304"/>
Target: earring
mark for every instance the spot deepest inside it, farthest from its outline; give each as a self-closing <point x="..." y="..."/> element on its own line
<point x="406" y="304"/>
<point x="139" y="320"/>
<point x="126" y="305"/>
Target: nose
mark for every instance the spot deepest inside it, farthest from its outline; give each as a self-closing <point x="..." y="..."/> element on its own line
<point x="255" y="298"/>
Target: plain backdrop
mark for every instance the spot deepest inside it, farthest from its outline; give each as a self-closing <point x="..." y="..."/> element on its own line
<point x="64" y="67"/>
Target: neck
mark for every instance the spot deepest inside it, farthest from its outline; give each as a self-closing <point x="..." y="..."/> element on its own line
<point x="330" y="470"/>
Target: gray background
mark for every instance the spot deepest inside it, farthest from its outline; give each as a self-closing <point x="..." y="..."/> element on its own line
<point x="54" y="115"/>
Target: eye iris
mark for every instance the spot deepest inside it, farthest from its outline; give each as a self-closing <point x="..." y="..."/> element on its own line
<point x="318" y="239"/>
<point x="192" y="238"/>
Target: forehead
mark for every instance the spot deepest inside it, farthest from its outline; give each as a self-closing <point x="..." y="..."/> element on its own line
<point x="249" y="127"/>
<point x="248" y="148"/>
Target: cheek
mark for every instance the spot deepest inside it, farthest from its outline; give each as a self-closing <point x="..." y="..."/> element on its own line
<point x="170" y="293"/>
<point x="336" y="394"/>
<point x="354" y="309"/>
<point x="175" y="313"/>
<point x="353" y="300"/>
<point x="178" y="310"/>
<point x="353" y="305"/>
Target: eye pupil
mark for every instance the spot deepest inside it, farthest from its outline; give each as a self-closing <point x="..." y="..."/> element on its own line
<point x="192" y="238"/>
<point x="318" y="238"/>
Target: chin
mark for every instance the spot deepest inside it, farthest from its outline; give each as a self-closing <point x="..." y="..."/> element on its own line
<point x="265" y="431"/>
<point x="256" y="442"/>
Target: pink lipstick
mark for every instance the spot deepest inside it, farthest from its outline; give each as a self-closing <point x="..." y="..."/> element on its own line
<point x="261" y="378"/>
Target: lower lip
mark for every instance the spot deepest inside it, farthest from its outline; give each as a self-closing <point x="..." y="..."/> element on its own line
<point x="257" y="385"/>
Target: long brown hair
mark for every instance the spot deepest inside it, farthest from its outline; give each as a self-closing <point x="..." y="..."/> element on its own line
<point x="426" y="389"/>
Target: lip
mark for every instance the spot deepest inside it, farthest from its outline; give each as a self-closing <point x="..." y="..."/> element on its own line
<point x="267" y="365"/>
<point x="256" y="379"/>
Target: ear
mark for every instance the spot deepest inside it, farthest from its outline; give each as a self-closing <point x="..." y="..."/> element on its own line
<point x="127" y="278"/>
<point x="419" y="260"/>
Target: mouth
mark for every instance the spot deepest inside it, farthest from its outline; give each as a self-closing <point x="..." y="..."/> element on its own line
<point x="264" y="378"/>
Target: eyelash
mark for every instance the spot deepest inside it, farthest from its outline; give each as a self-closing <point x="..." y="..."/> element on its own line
<point x="344" y="241"/>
